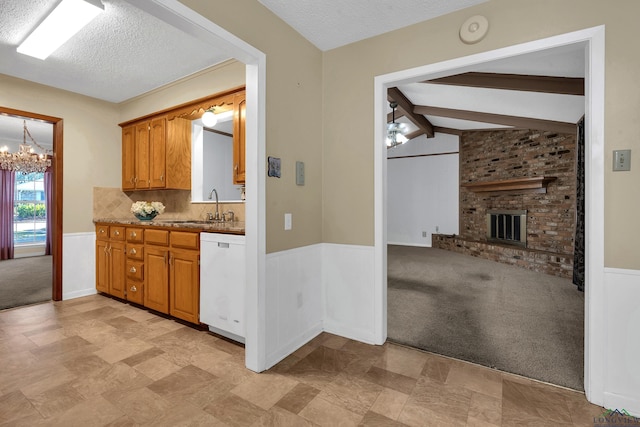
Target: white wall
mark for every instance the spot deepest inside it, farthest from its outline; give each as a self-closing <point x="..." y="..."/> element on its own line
<point x="78" y="265"/>
<point x="422" y="192"/>
<point x="294" y="298"/>
<point x="622" y="346"/>
<point x="217" y="154"/>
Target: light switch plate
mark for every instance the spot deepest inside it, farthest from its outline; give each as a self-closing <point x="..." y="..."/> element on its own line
<point x="287" y="221"/>
<point x="621" y="160"/>
<point x="299" y="173"/>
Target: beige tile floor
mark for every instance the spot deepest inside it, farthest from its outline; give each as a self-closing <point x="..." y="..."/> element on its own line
<point x="94" y="361"/>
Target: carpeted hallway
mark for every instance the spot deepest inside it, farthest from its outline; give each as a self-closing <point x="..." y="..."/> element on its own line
<point x="488" y="313"/>
<point x="25" y="281"/>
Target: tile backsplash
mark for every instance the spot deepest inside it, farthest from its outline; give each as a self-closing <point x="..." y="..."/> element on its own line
<point x="113" y="203"/>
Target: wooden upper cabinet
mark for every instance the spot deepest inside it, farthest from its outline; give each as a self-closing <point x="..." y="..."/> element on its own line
<point x="179" y="154"/>
<point x="142" y="150"/>
<point x="156" y="149"/>
<point x="157" y="153"/>
<point x="128" y="158"/>
<point x="239" y="138"/>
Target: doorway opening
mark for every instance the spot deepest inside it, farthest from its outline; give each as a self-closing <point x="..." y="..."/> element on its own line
<point x="54" y="223"/>
<point x="593" y="40"/>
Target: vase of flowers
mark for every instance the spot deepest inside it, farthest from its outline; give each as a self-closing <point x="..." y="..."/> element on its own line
<point x="146" y="211"/>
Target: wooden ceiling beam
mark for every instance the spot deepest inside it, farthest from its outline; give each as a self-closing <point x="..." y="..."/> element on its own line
<point x="522" y="82"/>
<point x="394" y="94"/>
<point x="476" y="116"/>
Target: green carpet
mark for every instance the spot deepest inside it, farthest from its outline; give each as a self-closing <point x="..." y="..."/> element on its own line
<point x="492" y="314"/>
<point x="25" y="281"/>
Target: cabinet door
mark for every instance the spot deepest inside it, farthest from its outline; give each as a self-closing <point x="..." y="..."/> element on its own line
<point x="157" y="152"/>
<point x="142" y="179"/>
<point x="178" y="154"/>
<point x="128" y="158"/>
<point x="239" y="109"/>
<point x="156" y="279"/>
<point x="185" y="285"/>
<point x="117" y="255"/>
<point x="102" y="266"/>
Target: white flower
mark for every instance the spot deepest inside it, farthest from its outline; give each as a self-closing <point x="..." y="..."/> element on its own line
<point x="147" y="208"/>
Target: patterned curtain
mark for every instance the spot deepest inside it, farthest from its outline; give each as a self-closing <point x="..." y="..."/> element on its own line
<point x="579" y="240"/>
<point x="48" y="195"/>
<point x="7" y="185"/>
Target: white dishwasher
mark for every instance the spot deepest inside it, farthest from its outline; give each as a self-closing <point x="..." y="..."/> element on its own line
<point x="222" y="284"/>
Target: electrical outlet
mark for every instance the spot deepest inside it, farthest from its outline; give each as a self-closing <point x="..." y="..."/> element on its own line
<point x="424" y="234"/>
<point x="437" y="229"/>
<point x="299" y="299"/>
<point x="287" y="221"/>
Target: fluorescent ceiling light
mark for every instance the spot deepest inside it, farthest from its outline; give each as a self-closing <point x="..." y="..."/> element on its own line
<point x="69" y="17"/>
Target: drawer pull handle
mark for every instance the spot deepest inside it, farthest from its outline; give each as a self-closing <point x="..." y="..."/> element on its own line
<point x="133" y="234"/>
<point x="133" y="251"/>
<point x="117" y="233"/>
<point x="223" y="245"/>
<point x="102" y="231"/>
<point x="133" y="270"/>
<point x="134" y="289"/>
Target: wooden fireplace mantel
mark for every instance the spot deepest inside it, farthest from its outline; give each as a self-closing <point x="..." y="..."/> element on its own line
<point x="536" y="183"/>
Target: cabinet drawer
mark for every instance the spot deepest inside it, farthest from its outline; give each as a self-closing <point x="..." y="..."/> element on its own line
<point x="135" y="269"/>
<point x="185" y="239"/>
<point x="116" y="232"/>
<point x="102" y="232"/>
<point x="156" y="237"/>
<point x="135" y="292"/>
<point x="135" y="252"/>
<point x="135" y="235"/>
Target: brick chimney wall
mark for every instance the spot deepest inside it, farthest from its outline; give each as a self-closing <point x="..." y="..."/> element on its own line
<point x="495" y="155"/>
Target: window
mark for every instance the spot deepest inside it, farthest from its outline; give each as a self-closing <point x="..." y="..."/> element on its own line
<point x="29" y="210"/>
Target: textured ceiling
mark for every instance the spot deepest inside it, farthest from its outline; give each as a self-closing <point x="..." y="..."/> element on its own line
<point x="122" y="53"/>
<point x="333" y="23"/>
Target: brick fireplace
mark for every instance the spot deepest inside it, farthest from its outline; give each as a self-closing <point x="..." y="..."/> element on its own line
<point x="517" y="171"/>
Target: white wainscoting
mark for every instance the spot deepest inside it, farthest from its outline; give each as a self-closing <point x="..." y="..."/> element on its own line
<point x="622" y="346"/>
<point x="349" y="292"/>
<point x="78" y="265"/>
<point x="293" y="300"/>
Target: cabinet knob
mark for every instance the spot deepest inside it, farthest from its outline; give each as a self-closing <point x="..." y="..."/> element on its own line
<point x="133" y="234"/>
<point x="133" y="251"/>
<point x="117" y="233"/>
<point x="102" y="231"/>
<point x="133" y="270"/>
<point x="134" y="289"/>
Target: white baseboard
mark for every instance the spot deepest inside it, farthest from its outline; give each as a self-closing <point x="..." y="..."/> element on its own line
<point x="417" y="245"/>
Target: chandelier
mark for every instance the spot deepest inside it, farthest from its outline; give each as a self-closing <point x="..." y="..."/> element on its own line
<point x="395" y="131"/>
<point x="25" y="160"/>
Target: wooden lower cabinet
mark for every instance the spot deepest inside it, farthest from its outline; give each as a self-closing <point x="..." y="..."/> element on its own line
<point x="110" y="264"/>
<point x="118" y="259"/>
<point x="153" y="267"/>
<point x="184" y="285"/>
<point x="156" y="273"/>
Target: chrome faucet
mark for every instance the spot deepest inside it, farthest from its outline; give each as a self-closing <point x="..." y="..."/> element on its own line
<point x="217" y="215"/>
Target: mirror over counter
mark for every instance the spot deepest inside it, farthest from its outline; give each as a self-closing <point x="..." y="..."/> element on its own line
<point x="154" y="149"/>
<point x="212" y="161"/>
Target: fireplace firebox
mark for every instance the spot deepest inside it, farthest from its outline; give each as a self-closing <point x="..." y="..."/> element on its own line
<point x="507" y="226"/>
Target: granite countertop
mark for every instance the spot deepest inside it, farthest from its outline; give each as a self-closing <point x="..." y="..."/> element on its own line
<point x="236" y="227"/>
